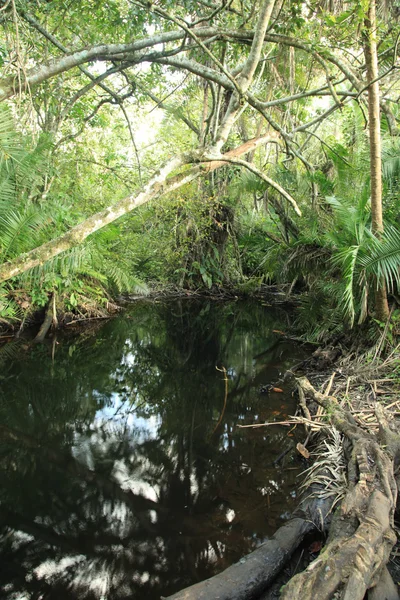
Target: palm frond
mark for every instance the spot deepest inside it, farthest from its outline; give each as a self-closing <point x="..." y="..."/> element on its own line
<point x="67" y="265"/>
<point x="320" y="312"/>
<point x="391" y="163"/>
<point x="249" y="183"/>
<point x="347" y="260"/>
<point x="122" y="280"/>
<point x="11" y="145"/>
<point x="383" y="258"/>
<point x="9" y="309"/>
<point x="7" y="192"/>
<point x="18" y="230"/>
<point x="9" y="352"/>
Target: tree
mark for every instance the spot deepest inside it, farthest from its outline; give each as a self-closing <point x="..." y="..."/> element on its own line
<point x="374" y="121"/>
<point x="227" y="53"/>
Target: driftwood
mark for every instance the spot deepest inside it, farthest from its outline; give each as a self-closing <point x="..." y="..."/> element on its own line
<point x="361" y="537"/>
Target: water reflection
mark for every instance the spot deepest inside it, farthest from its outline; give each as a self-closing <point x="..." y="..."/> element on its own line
<point x="122" y="474"/>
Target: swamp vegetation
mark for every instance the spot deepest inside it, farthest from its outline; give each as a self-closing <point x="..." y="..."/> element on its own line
<point x="197" y="148"/>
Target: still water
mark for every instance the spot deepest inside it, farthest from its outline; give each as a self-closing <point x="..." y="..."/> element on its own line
<point x="124" y="473"/>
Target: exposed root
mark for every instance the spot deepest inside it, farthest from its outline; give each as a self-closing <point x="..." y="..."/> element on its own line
<point x="362" y="534"/>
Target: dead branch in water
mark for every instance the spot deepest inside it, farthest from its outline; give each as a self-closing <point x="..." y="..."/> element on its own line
<point x="223" y="370"/>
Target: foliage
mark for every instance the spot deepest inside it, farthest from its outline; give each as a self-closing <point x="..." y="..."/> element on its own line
<point x="83" y="145"/>
<point x="84" y="272"/>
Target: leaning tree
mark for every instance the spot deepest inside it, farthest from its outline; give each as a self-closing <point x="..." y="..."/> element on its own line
<point x="226" y="51"/>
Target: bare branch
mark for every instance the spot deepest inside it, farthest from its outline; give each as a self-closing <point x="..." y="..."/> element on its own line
<point x="95" y="81"/>
<point x="271" y="182"/>
<point x="9" y="85"/>
<point x="51" y="38"/>
<point x="198" y="41"/>
<point x="246" y="75"/>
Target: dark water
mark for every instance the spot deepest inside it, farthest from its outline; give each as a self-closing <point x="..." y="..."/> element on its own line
<point x="122" y="476"/>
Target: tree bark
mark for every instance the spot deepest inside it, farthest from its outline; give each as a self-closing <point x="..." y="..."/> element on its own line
<point x="245" y="77"/>
<point x="48" y="320"/>
<point x="371" y="60"/>
<point x="11" y="85"/>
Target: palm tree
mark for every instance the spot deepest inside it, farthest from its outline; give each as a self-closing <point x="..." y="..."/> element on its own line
<point x="362" y="256"/>
<point x="371" y="60"/>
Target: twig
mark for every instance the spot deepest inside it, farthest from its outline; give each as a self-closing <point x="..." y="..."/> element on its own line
<point x="392" y="404"/>
<point x="266" y="424"/>
<point x="296" y="420"/>
<point x="223" y="370"/>
<point x="88" y="319"/>
<point x="329" y="387"/>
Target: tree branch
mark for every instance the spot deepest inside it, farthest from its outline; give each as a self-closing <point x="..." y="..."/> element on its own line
<point x="32" y="21"/>
<point x="261" y="175"/>
<point x="246" y="75"/>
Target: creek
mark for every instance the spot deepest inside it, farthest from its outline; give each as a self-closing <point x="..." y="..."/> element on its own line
<point x="124" y="472"/>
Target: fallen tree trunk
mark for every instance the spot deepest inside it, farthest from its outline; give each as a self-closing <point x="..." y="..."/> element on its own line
<point x="160" y="184"/>
<point x="249" y="577"/>
<point x="361" y="537"/>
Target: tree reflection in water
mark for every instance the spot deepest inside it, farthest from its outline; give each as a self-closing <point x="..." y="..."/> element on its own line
<point x="116" y="482"/>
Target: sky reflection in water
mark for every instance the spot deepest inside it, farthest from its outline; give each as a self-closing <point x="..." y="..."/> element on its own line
<point x="117" y="482"/>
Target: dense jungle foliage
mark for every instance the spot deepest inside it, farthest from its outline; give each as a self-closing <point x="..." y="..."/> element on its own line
<point x="115" y="115"/>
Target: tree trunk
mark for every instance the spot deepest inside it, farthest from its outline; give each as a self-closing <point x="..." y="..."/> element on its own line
<point x="371" y="61"/>
<point x="49" y="318"/>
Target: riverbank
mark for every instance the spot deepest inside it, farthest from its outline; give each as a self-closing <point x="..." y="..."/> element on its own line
<point x="56" y="315"/>
<point x="331" y="333"/>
